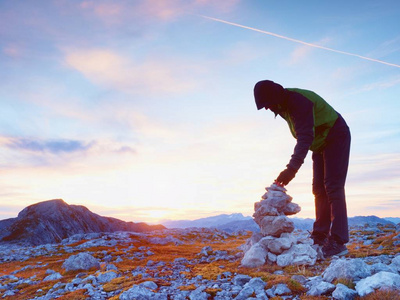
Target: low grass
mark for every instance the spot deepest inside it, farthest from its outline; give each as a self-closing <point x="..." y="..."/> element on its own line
<point x="382" y="295"/>
<point x="189" y="250"/>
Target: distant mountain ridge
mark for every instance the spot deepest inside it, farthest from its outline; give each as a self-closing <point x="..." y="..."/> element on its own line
<point x="51" y="221"/>
<point x="213" y="221"/>
<point x="236" y="222"/>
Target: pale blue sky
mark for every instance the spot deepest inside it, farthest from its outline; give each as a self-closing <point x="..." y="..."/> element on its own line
<point x="143" y="110"/>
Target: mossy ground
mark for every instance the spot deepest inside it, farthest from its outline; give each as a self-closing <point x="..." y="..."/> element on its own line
<point x="382" y="243"/>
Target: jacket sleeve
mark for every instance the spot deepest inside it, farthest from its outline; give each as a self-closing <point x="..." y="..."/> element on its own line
<point x="301" y="112"/>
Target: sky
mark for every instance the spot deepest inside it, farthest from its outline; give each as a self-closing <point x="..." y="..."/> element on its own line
<point x="143" y="110"/>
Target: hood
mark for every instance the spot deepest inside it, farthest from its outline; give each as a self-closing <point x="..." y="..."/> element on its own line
<point x="268" y="93"/>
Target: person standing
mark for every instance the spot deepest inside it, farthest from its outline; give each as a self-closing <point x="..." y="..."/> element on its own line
<point x="317" y="127"/>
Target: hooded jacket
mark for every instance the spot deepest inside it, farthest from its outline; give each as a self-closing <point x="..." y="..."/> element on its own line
<point x="308" y="115"/>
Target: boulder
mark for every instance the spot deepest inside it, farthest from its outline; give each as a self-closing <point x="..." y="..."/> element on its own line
<point x="379" y="280"/>
<point x="278" y="245"/>
<point x="81" y="261"/>
<point x="255" y="256"/>
<point x="275" y="226"/>
<point x="299" y="254"/>
<point x="354" y="269"/>
<point x="342" y="292"/>
<point x="320" y="287"/>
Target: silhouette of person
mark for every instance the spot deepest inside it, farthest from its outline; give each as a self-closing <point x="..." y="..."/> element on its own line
<point x="317" y="127"/>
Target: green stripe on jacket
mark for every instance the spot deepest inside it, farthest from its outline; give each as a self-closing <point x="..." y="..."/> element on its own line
<point x="324" y="118"/>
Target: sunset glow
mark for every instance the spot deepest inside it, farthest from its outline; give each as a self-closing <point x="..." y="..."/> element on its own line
<point x="144" y="110"/>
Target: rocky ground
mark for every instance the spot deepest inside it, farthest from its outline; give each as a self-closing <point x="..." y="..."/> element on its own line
<point x="195" y="264"/>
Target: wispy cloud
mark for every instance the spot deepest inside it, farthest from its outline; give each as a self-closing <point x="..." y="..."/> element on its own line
<point x="382" y="168"/>
<point x="300" y="53"/>
<point x="50" y="146"/>
<point x="389" y="205"/>
<point x="165" y="10"/>
<point x="112" y="70"/>
<point x="12" y="50"/>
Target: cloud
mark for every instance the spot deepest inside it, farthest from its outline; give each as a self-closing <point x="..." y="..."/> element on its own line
<point x="387" y="48"/>
<point x="49" y="146"/>
<point x="12" y="50"/>
<point x="380" y="85"/>
<point x="302" y="52"/>
<point x="109" y="69"/>
<point x="148" y="10"/>
<point x="374" y="168"/>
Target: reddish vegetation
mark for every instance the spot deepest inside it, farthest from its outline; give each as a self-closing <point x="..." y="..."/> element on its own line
<point x="189" y="250"/>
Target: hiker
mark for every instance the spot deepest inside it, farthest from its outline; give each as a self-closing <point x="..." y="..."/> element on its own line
<point x="317" y="127"/>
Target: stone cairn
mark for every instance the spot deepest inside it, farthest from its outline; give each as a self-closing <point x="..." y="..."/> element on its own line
<point x="277" y="243"/>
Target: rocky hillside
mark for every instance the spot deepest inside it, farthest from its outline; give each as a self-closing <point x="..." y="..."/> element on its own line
<point x="52" y="221"/>
<point x="195" y="263"/>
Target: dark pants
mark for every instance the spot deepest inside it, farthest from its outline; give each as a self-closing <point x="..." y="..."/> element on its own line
<point x="329" y="177"/>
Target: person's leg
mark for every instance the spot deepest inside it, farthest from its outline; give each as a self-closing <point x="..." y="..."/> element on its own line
<point x="336" y="161"/>
<point x="322" y="222"/>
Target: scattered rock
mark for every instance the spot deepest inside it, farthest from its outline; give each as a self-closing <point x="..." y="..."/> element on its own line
<point x="254" y="257"/>
<point x="342" y="292"/>
<point x="354" y="269"/>
<point x="319" y="288"/>
<point x="81" y="261"/>
<point x="53" y="276"/>
<point x="300" y="254"/>
<point x="106" y="277"/>
<point x="379" y="280"/>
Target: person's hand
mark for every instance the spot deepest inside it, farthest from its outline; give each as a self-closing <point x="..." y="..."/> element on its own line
<point x="286" y="176"/>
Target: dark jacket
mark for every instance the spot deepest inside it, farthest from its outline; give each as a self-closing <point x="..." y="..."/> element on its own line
<point x="309" y="118"/>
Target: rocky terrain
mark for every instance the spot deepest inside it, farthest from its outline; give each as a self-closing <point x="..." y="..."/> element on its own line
<point x="195" y="264"/>
<point x="182" y="263"/>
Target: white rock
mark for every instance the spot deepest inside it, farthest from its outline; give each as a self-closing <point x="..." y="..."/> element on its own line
<point x="291" y="209"/>
<point x="241" y="279"/>
<point x="275" y="226"/>
<point x="257" y="284"/>
<point x="275" y="187"/>
<point x="342" y="292"/>
<point x="150" y="285"/>
<point x="271" y="257"/>
<point x="137" y="292"/>
<point x="53" y="276"/>
<point x="106" y="277"/>
<point x="320" y="287"/>
<point x="378" y="267"/>
<point x="354" y="269"/>
<point x="281" y="289"/>
<point x="255" y="257"/>
<point x="396" y="263"/>
<point x="245" y="293"/>
<point x="81" y="261"/>
<point x="379" y="280"/>
<point x="278" y="245"/>
<point x="300" y="254"/>
<point x="199" y="294"/>
<point x="264" y="242"/>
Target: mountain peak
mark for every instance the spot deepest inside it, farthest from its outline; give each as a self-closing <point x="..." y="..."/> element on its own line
<point x="48" y="206"/>
<point x="51" y="221"/>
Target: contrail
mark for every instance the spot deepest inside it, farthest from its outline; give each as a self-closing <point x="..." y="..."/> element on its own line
<point x="300" y="42"/>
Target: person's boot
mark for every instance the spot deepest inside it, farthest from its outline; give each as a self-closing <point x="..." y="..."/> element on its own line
<point x="319" y="238"/>
<point x="333" y="247"/>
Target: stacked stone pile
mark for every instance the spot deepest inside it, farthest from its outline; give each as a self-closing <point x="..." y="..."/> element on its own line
<point x="276" y="242"/>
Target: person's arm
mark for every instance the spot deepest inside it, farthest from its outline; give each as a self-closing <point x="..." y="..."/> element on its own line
<point x="301" y="113"/>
